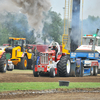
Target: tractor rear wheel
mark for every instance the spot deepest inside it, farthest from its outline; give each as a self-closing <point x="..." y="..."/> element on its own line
<point x="3" y="63"/>
<point x="52" y="72"/>
<point x="64" y="66"/>
<point x="95" y="71"/>
<point x="23" y="63"/>
<point x="82" y="70"/>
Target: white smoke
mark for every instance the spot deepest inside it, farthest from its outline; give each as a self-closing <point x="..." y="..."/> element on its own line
<point x="34" y="10"/>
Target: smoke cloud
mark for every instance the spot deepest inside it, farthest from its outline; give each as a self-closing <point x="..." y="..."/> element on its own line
<point x="34" y="10"/>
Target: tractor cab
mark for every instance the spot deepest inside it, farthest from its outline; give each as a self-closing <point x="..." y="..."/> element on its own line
<point x="89" y="39"/>
<point x="14" y="42"/>
<point x="88" y="42"/>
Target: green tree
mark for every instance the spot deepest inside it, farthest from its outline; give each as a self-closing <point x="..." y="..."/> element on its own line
<point x="15" y="25"/>
<point x="91" y="24"/>
<point x="53" y="29"/>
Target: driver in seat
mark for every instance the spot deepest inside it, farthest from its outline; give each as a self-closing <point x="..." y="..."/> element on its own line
<point x="56" y="50"/>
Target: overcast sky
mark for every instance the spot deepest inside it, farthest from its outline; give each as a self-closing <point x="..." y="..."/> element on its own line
<point x="91" y="7"/>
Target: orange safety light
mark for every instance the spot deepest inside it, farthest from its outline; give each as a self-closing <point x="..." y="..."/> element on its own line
<point x="89" y="35"/>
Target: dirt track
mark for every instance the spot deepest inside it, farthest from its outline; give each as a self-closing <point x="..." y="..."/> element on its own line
<point x="27" y="76"/>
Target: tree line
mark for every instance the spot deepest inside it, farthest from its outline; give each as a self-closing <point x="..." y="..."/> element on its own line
<point x="16" y="25"/>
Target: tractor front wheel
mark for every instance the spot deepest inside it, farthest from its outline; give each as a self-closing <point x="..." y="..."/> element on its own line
<point x="95" y="71"/>
<point x="23" y="63"/>
<point x="52" y="72"/>
<point x="36" y="74"/>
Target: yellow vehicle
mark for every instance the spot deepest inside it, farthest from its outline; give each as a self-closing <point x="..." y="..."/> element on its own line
<point x="21" y="56"/>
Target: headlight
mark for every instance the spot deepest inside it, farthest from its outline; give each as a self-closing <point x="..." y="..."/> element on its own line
<point x="91" y="55"/>
<point x="73" y="54"/>
<point x="30" y="50"/>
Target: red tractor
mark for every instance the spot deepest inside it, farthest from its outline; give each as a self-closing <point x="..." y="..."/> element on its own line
<point x="51" y="62"/>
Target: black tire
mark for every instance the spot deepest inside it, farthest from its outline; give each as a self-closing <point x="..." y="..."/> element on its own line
<point x="91" y="71"/>
<point x="23" y="64"/>
<point x="95" y="70"/>
<point x="98" y="71"/>
<point x="33" y="63"/>
<point x="16" y="66"/>
<point x="77" y="72"/>
<point x="36" y="74"/>
<point x="9" y="69"/>
<point x="73" y="70"/>
<point x="82" y="70"/>
<point x="30" y="62"/>
<point x="52" y="72"/>
<point x="3" y="63"/>
<point x="63" y="70"/>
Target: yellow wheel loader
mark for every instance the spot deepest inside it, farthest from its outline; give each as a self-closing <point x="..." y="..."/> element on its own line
<point x="21" y="56"/>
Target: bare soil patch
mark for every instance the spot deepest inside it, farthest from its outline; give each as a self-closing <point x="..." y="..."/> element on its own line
<point x="27" y="76"/>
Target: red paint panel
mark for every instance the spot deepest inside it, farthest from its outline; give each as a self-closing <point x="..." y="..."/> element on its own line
<point x="94" y="64"/>
<point x="59" y="56"/>
<point x="55" y="70"/>
<point x="38" y="66"/>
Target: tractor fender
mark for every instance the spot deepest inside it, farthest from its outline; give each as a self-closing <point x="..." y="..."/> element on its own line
<point x="24" y="54"/>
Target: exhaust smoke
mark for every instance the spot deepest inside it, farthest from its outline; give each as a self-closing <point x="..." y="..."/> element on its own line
<point x="34" y="10"/>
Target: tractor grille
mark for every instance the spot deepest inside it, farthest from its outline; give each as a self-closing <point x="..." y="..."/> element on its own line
<point x="44" y="58"/>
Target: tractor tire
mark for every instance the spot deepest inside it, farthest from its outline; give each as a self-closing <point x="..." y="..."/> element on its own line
<point x="64" y="66"/>
<point x="98" y="71"/>
<point x="36" y="74"/>
<point x="9" y="69"/>
<point x="95" y="71"/>
<point x="33" y="62"/>
<point x="91" y="71"/>
<point x="3" y="63"/>
<point x="16" y="66"/>
<point x="23" y="63"/>
<point x="77" y="71"/>
<point x="52" y="72"/>
<point x="30" y="65"/>
<point x="82" y="70"/>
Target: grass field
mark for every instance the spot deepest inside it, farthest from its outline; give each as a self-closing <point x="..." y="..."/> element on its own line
<point x="44" y="85"/>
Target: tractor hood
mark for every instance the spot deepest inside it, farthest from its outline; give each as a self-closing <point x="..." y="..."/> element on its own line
<point x="52" y="51"/>
<point x="87" y="48"/>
